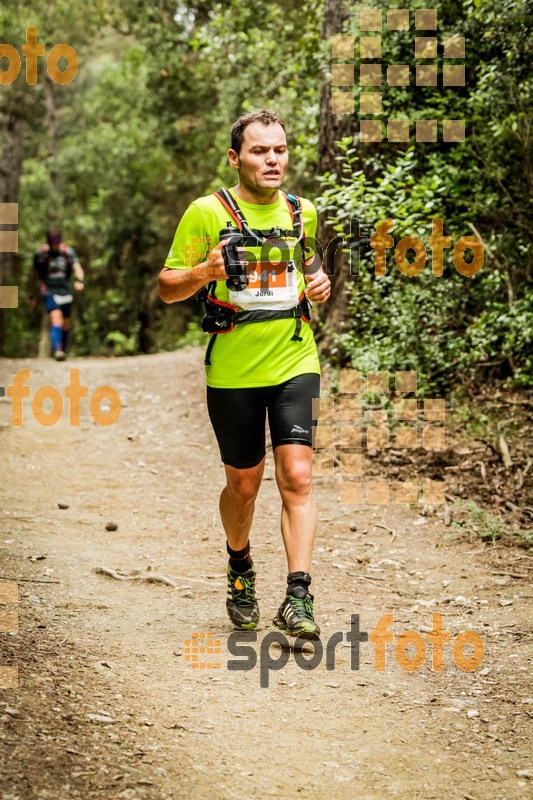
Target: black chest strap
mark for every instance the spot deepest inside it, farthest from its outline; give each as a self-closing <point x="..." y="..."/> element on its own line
<point x="293" y="204"/>
<point x="221" y="317"/>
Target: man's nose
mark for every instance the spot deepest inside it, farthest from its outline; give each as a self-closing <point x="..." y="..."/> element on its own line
<point x="272" y="157"/>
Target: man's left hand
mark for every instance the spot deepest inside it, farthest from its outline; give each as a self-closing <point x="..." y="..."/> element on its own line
<point x="318" y="287"/>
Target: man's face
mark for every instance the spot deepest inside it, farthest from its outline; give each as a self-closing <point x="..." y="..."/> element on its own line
<point x="53" y="242"/>
<point x="263" y="158"/>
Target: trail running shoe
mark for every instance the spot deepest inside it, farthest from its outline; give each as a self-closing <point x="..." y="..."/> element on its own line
<point x="295" y="615"/>
<point x="60" y="355"/>
<point x="242" y="606"/>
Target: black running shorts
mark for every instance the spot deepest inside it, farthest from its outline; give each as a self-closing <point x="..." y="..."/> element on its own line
<point x="238" y="417"/>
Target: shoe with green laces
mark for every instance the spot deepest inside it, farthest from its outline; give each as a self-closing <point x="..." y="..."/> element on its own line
<point x="295" y="615"/>
<point x="241" y="603"/>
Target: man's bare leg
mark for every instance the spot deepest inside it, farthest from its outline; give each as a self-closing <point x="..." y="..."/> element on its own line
<point x="298" y="526"/>
<point x="65" y="337"/>
<point x="298" y="512"/>
<point x="56" y="328"/>
<point x="237" y="502"/>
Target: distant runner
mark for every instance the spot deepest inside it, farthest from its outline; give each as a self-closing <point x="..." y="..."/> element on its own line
<point x="262" y="357"/>
<point x="53" y="265"/>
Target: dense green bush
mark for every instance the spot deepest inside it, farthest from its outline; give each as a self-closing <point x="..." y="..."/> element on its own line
<point x="451" y="328"/>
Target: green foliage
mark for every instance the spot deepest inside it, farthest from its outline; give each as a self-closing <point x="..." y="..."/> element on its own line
<point x="194" y="336"/>
<point x="500" y="332"/>
<point x="488" y="527"/>
<point x="452" y="328"/>
<point x="144" y="128"/>
<point x="121" y="345"/>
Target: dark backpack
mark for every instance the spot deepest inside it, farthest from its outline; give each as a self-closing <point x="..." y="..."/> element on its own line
<point x="42" y="260"/>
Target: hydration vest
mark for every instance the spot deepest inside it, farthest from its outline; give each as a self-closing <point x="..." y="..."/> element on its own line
<point x="222" y="317"/>
<point x="45" y="256"/>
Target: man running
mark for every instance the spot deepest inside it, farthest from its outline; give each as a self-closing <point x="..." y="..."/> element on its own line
<point x="269" y="366"/>
<point x="53" y="265"/>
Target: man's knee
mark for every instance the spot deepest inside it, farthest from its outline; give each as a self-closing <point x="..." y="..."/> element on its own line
<point x="243" y="484"/>
<point x="294" y="475"/>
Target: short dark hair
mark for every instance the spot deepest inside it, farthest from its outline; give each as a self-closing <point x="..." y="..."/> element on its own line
<point x="264" y="116"/>
<point x="53" y="236"/>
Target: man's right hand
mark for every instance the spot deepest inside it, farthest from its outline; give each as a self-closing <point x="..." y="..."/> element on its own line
<point x="214" y="263"/>
<point x="176" y="285"/>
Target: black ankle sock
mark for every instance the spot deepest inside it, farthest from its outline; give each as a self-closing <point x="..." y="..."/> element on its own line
<point x="240" y="560"/>
<point x="294" y="579"/>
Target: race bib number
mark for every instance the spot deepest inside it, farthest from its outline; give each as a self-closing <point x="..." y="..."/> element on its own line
<point x="57" y="267"/>
<point x="271" y="286"/>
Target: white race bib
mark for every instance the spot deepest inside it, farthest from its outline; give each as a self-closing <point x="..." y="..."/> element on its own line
<point x="62" y="299"/>
<point x="270" y="286"/>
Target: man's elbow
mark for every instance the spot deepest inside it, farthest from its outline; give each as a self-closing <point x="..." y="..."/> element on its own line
<point x="165" y="290"/>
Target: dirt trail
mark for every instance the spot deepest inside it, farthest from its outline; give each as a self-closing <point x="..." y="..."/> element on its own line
<point x="107" y="705"/>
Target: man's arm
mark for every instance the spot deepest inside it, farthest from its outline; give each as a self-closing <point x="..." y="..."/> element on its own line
<point x="78" y="271"/>
<point x="182" y="276"/>
<point x="176" y="285"/>
<point x="318" y="287"/>
<point x="79" y="283"/>
<point x="32" y="281"/>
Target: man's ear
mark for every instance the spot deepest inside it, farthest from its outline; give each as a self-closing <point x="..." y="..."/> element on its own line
<point x="233" y="158"/>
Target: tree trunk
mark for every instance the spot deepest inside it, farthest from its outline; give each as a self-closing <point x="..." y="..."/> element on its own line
<point x="53" y="217"/>
<point x="43" y="350"/>
<point x="10" y="172"/>
<point x="332" y="127"/>
<point x="51" y="105"/>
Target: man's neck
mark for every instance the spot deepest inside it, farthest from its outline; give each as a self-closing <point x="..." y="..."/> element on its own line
<point x="251" y="197"/>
